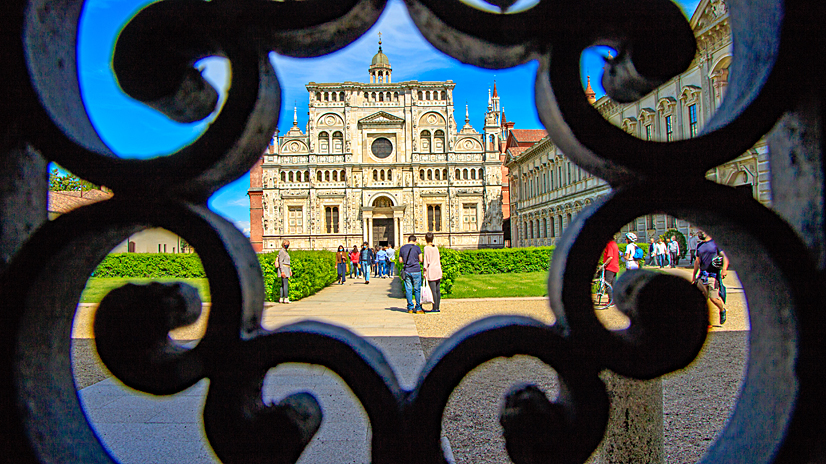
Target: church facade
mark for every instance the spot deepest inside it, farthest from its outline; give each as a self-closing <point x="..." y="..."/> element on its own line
<point x="379" y="161"/>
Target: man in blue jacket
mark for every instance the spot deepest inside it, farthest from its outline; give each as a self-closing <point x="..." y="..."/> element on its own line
<point x="366" y="259"/>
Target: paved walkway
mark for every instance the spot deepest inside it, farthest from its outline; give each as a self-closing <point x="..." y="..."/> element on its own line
<point x="141" y="429"/>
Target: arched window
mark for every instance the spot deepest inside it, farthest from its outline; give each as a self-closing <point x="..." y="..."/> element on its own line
<point x="421" y="95"/>
<point x="473" y="174"/>
<point x="389" y="174"/>
<point x="464" y="174"/>
<point x="444" y="174"/>
<point x="439" y="142"/>
<point x="292" y="178"/>
<point x="327" y="176"/>
<point x="318" y="96"/>
<point x="396" y="96"/>
<point x="342" y="176"/>
<point x="324" y="142"/>
<point x="421" y="174"/>
<point x="306" y="176"/>
<point x="425" y="141"/>
<point x="458" y="174"/>
<point x="338" y="142"/>
<point x="381" y="175"/>
<point x="444" y="96"/>
<point x="481" y="173"/>
<point x="544" y="228"/>
<point x="427" y="95"/>
<point x="381" y="96"/>
<point x="283" y="176"/>
<point x="333" y="97"/>
<point x="373" y="97"/>
<point x="436" y="174"/>
<point x="388" y="96"/>
<point x="326" y="96"/>
<point x="341" y="96"/>
<point x="429" y="174"/>
<point x="375" y="175"/>
<point x="319" y="176"/>
<point x="335" y="176"/>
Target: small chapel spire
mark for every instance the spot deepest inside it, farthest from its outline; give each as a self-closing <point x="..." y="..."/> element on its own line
<point x="467" y="114"/>
<point x="589" y="92"/>
<point x="295" y="114"/>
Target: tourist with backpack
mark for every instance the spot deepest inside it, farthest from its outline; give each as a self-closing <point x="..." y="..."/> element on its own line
<point x="632" y="252"/>
<point x="710" y="268"/>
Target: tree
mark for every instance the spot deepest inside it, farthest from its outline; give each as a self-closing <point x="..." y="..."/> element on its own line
<point x="61" y="182"/>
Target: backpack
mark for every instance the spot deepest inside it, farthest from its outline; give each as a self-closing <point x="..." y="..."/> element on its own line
<point x="638" y="252"/>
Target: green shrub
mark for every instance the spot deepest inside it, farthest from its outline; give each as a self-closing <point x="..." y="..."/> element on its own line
<point x="680" y="240"/>
<point x="505" y="260"/>
<point x="312" y="271"/>
<point x="152" y="265"/>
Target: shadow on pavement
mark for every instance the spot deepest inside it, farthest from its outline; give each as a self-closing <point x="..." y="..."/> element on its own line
<point x="396" y="289"/>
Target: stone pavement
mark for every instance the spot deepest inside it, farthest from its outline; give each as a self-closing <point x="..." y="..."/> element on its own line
<point x="143" y="429"/>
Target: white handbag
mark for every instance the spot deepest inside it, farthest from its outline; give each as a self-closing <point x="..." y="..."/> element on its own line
<point x="427" y="295"/>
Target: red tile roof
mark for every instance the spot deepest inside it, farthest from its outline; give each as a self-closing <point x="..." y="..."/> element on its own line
<point x="528" y="135"/>
<point x="64" y="201"/>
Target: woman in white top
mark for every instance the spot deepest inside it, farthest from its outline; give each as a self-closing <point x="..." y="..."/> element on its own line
<point x="433" y="270"/>
<point x="630" y="248"/>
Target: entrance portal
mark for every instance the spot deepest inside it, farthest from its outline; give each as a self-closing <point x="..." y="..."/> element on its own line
<point x="383" y="232"/>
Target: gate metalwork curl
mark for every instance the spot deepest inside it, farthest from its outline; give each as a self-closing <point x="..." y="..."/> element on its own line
<point x="778" y="417"/>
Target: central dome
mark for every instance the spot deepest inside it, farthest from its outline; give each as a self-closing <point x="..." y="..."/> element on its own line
<point x="380" y="59"/>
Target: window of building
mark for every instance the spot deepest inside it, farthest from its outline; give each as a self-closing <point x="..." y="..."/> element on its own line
<point x="469" y="218"/>
<point x="439" y="142"/>
<point x="692" y="120"/>
<point x="544" y="228"/>
<point x="649" y="222"/>
<point x="331" y="219"/>
<point x="669" y="130"/>
<point x="295" y="218"/>
<point x="375" y="175"/>
<point x="283" y="176"/>
<point x="648" y="132"/>
<point x="319" y="176"/>
<point x="568" y="169"/>
<point x="672" y="222"/>
<point x="464" y="174"/>
<point x="437" y="174"/>
<point x="434" y="218"/>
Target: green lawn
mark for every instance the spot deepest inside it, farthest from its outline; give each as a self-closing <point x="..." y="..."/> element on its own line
<point x="97" y="288"/>
<point x="501" y="285"/>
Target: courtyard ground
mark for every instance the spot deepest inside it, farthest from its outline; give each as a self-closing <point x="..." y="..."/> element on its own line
<point x="697" y="400"/>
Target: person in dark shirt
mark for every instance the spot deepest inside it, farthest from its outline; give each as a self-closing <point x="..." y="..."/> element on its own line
<point x="366" y="259"/>
<point x="410" y="256"/>
<point x="708" y="276"/>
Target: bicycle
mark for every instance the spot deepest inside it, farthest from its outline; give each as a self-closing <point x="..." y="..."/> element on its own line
<point x="600" y="289"/>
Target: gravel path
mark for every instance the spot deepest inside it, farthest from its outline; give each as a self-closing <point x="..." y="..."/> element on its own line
<point x="697" y="401"/>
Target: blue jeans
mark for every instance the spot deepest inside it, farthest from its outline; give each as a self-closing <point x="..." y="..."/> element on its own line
<point x="413" y="286"/>
<point x="354" y="270"/>
<point x="365" y="268"/>
<point x="342" y="271"/>
<point x="661" y="260"/>
<point x="391" y="268"/>
<point x="382" y="267"/>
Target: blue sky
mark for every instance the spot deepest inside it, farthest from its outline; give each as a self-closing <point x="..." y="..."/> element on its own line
<point x="133" y="130"/>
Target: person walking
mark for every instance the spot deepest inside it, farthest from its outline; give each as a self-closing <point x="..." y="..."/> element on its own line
<point x="374" y="262"/>
<point x="630" y="249"/>
<point x="341" y="264"/>
<point x="661" y="252"/>
<point x="354" y="262"/>
<point x="411" y="257"/>
<point x="610" y="258"/>
<point x="652" y="252"/>
<point x="284" y="269"/>
<point x="381" y="262"/>
<point x="391" y="261"/>
<point x="673" y="252"/>
<point x="692" y="245"/>
<point x="708" y="277"/>
<point x="433" y="270"/>
<point x="366" y="259"/>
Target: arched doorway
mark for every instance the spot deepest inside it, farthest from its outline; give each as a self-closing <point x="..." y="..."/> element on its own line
<point x="384" y="231"/>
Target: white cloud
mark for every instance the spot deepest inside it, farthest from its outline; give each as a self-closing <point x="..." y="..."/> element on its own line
<point x="240" y="201"/>
<point x="243" y="226"/>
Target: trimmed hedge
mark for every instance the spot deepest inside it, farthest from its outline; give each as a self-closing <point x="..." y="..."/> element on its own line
<point x="153" y="265"/>
<point x="505" y="260"/>
<point x="680" y="240"/>
<point x="312" y="270"/>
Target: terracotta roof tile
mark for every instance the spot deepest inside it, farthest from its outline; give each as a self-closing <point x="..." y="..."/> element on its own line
<point x="64" y="201"/>
<point x="528" y="135"/>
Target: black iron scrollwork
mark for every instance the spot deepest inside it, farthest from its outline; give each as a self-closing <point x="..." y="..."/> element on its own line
<point x="154" y="64"/>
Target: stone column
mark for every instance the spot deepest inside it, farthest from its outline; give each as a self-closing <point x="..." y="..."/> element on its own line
<point x="370" y="231"/>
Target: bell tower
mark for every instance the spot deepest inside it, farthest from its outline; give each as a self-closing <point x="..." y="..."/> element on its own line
<point x="380" y="69"/>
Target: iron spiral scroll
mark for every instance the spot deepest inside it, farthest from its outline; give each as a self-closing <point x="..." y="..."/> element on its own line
<point x="777" y="417"/>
